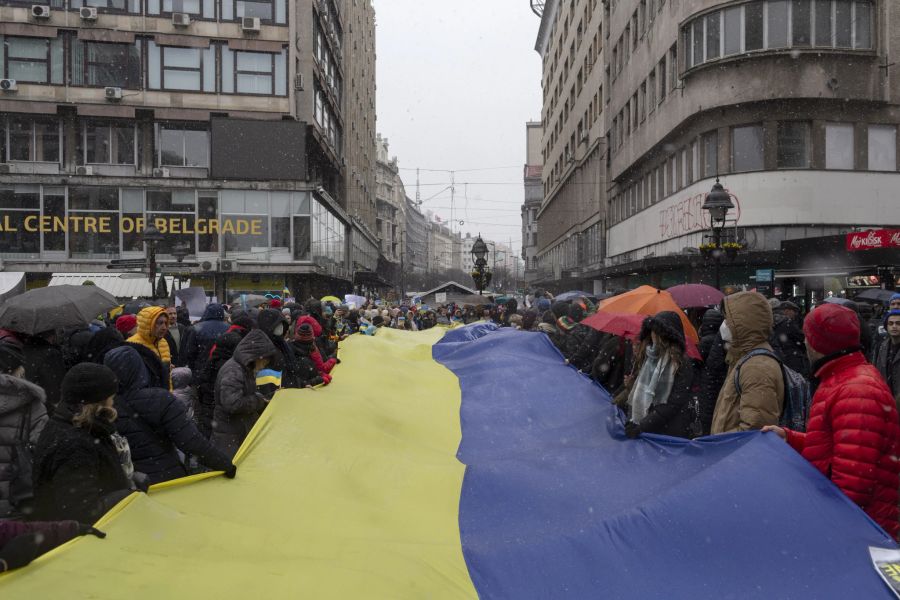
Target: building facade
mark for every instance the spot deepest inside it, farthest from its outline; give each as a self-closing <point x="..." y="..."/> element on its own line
<point x="415" y="243"/>
<point x="534" y="195"/>
<point x="572" y="216"/>
<point x="793" y="105"/>
<point x="220" y="123"/>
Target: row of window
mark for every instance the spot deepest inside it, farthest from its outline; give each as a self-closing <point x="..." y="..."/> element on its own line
<point x="637" y="26"/>
<point x="216" y="69"/>
<point x="327" y="62"/>
<point x="778" y="24"/>
<point x="651" y="92"/>
<point x="40" y="139"/>
<point x="326" y="119"/>
<point x="250" y="224"/>
<point x="272" y="12"/>
<point x="793" y="149"/>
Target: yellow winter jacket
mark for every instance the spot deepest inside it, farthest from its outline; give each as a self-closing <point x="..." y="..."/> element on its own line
<point x="145" y="321"/>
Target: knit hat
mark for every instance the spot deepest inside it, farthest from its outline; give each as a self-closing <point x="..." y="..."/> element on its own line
<point x="667" y="325"/>
<point x="560" y="309"/>
<point x="88" y="383"/>
<point x="831" y="328"/>
<point x="305" y="333"/>
<point x="11" y="357"/>
<point x="275" y="303"/>
<point x="126" y="323"/>
<point x="894" y="297"/>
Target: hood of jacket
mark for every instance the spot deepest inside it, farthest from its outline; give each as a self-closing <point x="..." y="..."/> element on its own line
<point x="129" y="367"/>
<point x="102" y="342"/>
<point x="214" y="312"/>
<point x="146" y="319"/>
<point x="181" y="377"/>
<point x="712" y="320"/>
<point x="269" y="319"/>
<point x="312" y="321"/>
<point x="749" y="317"/>
<point x="255" y="345"/>
<point x="16" y="393"/>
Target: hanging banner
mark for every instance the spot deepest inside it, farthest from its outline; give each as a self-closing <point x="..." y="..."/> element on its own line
<point x="873" y="239"/>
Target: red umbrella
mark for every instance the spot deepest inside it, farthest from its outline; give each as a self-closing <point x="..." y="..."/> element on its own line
<point x="628" y="325"/>
<point x="695" y="295"/>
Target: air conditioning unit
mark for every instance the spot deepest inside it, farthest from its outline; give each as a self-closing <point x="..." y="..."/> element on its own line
<point x="250" y="24"/>
<point x="227" y="265"/>
<point x="113" y="94"/>
<point x="206" y="265"/>
<point x="181" y="19"/>
<point x="5" y="169"/>
<point x="8" y="85"/>
<point x="161" y="172"/>
<point x="40" y="11"/>
<point x="88" y="13"/>
<point x="298" y="82"/>
<point x="84" y="170"/>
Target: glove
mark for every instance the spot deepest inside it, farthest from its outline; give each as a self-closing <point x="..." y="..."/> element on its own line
<point x="141" y="481"/>
<point x="230" y="472"/>
<point x="326" y="378"/>
<point x="632" y="430"/>
<point x="85" y="529"/>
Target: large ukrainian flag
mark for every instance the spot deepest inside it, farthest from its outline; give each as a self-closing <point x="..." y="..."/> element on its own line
<point x="474" y="465"/>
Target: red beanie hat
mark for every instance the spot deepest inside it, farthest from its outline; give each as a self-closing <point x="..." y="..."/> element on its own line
<point x="126" y="323"/>
<point x="831" y="328"/>
<point x="275" y="303"/>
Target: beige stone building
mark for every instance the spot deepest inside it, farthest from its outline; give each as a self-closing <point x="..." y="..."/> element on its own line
<point x="223" y="123"/>
<point x="793" y="105"/>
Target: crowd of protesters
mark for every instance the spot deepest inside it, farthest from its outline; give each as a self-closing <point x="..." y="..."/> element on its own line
<point x="89" y="416"/>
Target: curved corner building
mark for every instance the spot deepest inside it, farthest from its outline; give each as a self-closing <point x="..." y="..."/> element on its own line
<point x="791" y="103"/>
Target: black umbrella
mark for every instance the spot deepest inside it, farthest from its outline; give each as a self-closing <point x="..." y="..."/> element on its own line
<point x="876" y="295"/>
<point x="55" y="307"/>
<point x="135" y="306"/>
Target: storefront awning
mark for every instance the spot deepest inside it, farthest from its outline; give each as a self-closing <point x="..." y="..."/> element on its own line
<point x="120" y="285"/>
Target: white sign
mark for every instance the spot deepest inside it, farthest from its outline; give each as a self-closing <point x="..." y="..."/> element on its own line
<point x="787" y="198"/>
<point x="440" y="298"/>
<point x="887" y="563"/>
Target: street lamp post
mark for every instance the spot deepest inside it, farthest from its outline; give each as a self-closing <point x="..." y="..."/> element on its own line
<point x="480" y="274"/>
<point x="152" y="237"/>
<point x="180" y="252"/>
<point x="718" y="203"/>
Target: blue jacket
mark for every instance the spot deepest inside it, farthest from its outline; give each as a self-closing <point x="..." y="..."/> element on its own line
<point x="202" y="336"/>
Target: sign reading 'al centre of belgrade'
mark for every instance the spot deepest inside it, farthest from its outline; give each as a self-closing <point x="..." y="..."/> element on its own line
<point x="170" y="225"/>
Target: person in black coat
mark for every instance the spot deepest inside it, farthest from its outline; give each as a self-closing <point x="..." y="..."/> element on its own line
<point x="200" y="338"/>
<point x="709" y="329"/>
<point x="670" y="414"/>
<point x="715" y="370"/>
<point x="155" y="423"/>
<point x="222" y="350"/>
<point x="158" y="375"/>
<point x="78" y="473"/>
<point x="102" y="342"/>
<point x="45" y="366"/>
<point x="787" y="339"/>
<point x="274" y="325"/>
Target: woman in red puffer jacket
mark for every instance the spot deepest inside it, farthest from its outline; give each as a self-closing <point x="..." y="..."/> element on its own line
<point x="853" y="433"/>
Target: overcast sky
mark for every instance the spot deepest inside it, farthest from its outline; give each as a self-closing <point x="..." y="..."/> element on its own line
<point x="456" y="83"/>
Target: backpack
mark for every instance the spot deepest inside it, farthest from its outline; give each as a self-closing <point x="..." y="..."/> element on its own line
<point x="797" y="391"/>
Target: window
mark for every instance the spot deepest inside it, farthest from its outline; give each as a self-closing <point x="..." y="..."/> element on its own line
<point x="95" y="64"/>
<point x="32" y="60"/>
<point x="105" y="143"/>
<point x="863" y="25"/>
<point x="192" y="7"/>
<point x="843" y="24"/>
<point x="800" y="22"/>
<point x="651" y="91"/>
<point x="747" y="148"/>
<point x="262" y="73"/>
<point x="823" y="33"/>
<point x="882" y="148"/>
<point x="181" y="146"/>
<point x="32" y="140"/>
<point x="732" y="30"/>
<point x="662" y="79"/>
<point x="695" y="161"/>
<point x="131" y="6"/>
<point x="793" y="145"/>
<point x="712" y="35"/>
<point x="753" y="26"/>
<point x="181" y="69"/>
<point x="777" y="24"/>
<point x="839" y="144"/>
<point x="711" y="154"/>
<point x="697" y="43"/>
<point x="102" y="204"/>
<point x="17" y="203"/>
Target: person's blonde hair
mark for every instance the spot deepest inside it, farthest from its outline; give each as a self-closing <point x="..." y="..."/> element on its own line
<point x="90" y="413"/>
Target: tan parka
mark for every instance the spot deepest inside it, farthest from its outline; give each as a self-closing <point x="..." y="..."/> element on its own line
<point x="749" y="317"/>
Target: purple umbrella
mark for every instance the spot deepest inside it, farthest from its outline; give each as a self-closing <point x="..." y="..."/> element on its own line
<point x="695" y="295"/>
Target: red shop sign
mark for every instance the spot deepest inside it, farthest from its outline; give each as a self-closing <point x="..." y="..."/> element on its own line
<point x="872" y="239"/>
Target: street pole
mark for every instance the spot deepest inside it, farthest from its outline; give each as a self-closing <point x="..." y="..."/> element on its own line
<point x="717" y="255"/>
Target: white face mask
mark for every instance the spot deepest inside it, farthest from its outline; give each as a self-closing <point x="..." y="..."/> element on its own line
<point x="279" y="330"/>
<point x="725" y="332"/>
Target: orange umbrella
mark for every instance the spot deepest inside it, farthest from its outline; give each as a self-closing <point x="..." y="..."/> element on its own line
<point x="647" y="300"/>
